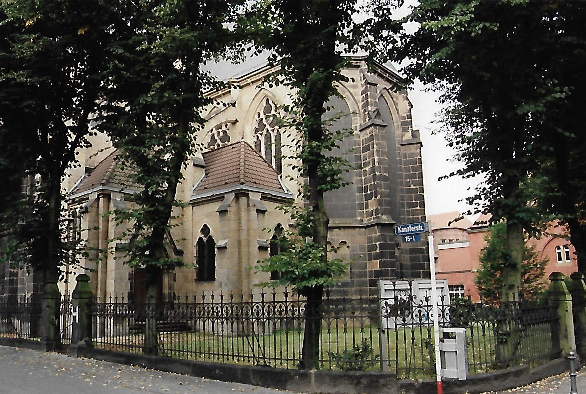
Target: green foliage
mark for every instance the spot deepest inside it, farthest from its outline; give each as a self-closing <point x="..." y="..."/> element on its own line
<point x="307" y="37"/>
<point x="494" y="257"/>
<point x="51" y="59"/>
<point x="482" y="55"/>
<point x="301" y="263"/>
<point x="512" y="76"/>
<point x="156" y="93"/>
<point x="461" y="312"/>
<point x="303" y="36"/>
<point x="360" y="358"/>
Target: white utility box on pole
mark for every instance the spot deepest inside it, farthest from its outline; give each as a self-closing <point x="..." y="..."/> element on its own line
<point x="453" y="353"/>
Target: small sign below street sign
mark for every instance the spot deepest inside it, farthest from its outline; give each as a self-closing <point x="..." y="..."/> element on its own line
<point x="412" y="238"/>
<point x="412" y="228"/>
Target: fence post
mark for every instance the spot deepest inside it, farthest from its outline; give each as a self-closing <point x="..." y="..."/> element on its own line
<point x="82" y="299"/>
<point x="561" y="298"/>
<point x="49" y="325"/>
<point x="578" y="292"/>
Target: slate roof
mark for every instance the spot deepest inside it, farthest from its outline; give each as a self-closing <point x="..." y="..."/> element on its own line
<point x="234" y="165"/>
<point x="111" y="173"/>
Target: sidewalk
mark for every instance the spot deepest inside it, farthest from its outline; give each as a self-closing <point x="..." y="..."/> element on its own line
<point x="559" y="384"/>
<point x="24" y="371"/>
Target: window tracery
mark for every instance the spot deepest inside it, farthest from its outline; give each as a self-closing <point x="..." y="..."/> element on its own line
<point x="267" y="136"/>
<point x="219" y="135"/>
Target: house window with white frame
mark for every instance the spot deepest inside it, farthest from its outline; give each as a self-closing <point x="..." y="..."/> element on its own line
<point x="456" y="291"/>
<point x="563" y="254"/>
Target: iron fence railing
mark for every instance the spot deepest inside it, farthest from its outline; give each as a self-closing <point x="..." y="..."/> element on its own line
<point x="514" y="333"/>
<point x="67" y="317"/>
<point x="20" y="319"/>
<point x="394" y="335"/>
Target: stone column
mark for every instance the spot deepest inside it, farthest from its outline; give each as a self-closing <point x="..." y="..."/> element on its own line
<point x="50" y="314"/>
<point x="82" y="298"/>
<point x="558" y="294"/>
<point x="578" y="292"/>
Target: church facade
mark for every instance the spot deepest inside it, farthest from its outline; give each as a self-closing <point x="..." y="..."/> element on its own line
<point x="233" y="187"/>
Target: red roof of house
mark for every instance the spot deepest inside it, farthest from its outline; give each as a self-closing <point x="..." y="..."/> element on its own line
<point x="235" y="165"/>
<point x="109" y="172"/>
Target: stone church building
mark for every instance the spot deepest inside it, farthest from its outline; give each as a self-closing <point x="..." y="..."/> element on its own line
<point x="232" y="189"/>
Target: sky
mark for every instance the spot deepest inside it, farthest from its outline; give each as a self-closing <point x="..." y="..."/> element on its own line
<point x="440" y="196"/>
<point x="449" y="194"/>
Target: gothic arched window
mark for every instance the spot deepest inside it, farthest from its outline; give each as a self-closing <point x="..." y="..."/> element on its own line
<point x="206" y="255"/>
<point x="267" y="136"/>
<point x="276" y="246"/>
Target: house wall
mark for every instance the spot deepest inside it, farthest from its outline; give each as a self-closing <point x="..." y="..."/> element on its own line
<point x="459" y="262"/>
<point x="546" y="247"/>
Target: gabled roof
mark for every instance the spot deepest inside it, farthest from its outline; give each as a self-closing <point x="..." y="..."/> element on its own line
<point x="109" y="173"/>
<point x="237" y="165"/>
<point x="448" y="220"/>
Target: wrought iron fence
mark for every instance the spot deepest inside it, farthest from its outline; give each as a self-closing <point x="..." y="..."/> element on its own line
<point x="20" y="319"/>
<point x="395" y="334"/>
<point x="67" y="317"/>
<point x="514" y="333"/>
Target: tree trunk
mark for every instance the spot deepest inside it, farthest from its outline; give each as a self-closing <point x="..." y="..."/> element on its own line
<point x="320" y="222"/>
<point x="508" y="337"/>
<point x="578" y="239"/>
<point x="512" y="270"/>
<point x="154" y="271"/>
<point x="151" y="336"/>
<point x="566" y="203"/>
<point x="51" y="298"/>
<point x="311" y="335"/>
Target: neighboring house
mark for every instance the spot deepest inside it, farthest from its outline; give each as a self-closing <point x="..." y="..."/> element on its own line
<point x="452" y="250"/>
<point x="458" y="245"/>
<point x="233" y="187"/>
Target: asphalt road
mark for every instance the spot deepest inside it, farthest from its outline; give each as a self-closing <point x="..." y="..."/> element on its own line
<point x="24" y="371"/>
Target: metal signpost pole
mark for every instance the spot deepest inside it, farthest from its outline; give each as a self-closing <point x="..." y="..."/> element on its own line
<point x="573" y="374"/>
<point x="435" y="311"/>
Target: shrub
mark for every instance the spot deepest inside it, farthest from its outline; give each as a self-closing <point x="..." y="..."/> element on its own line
<point x="360" y="358"/>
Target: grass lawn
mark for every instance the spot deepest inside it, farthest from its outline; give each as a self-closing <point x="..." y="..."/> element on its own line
<point x="408" y="352"/>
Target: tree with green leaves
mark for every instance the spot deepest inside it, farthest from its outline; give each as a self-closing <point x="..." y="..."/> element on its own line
<point x="51" y="60"/>
<point x="489" y="280"/>
<point x="307" y="38"/>
<point x="564" y="141"/>
<point x="156" y="91"/>
<point x="485" y="57"/>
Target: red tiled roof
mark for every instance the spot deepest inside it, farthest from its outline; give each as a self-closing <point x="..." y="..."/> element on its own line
<point x="237" y="164"/>
<point x="109" y="172"/>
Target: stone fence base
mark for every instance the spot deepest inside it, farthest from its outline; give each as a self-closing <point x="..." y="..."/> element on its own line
<point x="334" y="382"/>
<point x="314" y="382"/>
<point x="484" y="382"/>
